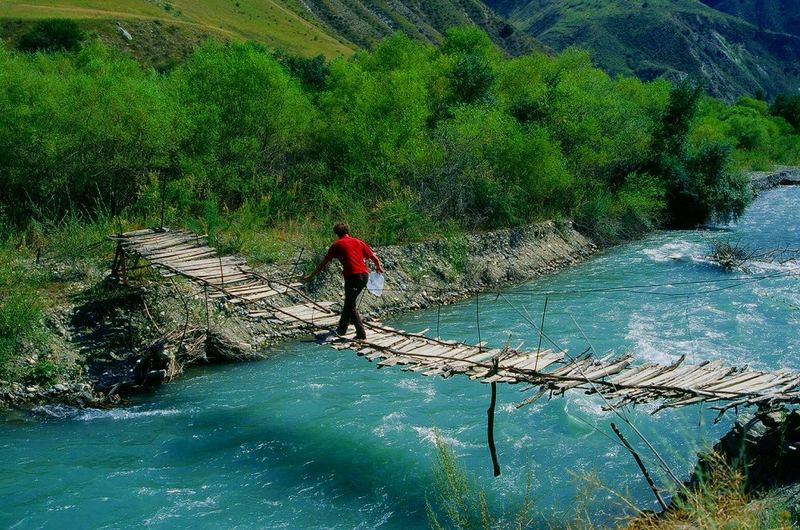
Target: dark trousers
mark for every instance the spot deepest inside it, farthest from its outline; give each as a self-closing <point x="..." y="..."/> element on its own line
<point x="353" y="285"/>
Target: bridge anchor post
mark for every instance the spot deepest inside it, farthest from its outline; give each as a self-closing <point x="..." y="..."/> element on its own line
<point x="119" y="269"/>
<point x="490" y="422"/>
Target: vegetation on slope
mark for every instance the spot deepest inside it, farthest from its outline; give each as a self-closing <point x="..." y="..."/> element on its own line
<point x="406" y="142"/>
<point x="773" y="15"/>
<point x="649" y="38"/>
<point x="367" y="23"/>
<point x="308" y="27"/>
<point x="272" y="23"/>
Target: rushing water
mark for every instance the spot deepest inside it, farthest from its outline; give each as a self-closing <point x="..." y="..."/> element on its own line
<point x="316" y="438"/>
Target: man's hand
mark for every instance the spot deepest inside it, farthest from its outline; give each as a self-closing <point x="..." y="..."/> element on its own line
<point x="379" y="269"/>
<point x="306" y="279"/>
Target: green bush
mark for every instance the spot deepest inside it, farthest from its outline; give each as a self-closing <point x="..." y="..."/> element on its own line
<point x="21" y="313"/>
<point x="787" y="106"/>
<point x="44" y="372"/>
<point x="55" y="35"/>
<point x="403" y="141"/>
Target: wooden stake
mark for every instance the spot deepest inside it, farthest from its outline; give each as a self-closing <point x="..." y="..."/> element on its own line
<point x="639" y="462"/>
<point x="541" y="334"/>
<point x="208" y="318"/>
<point x="490" y="423"/>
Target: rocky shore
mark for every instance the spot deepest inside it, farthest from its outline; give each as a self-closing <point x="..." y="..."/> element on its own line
<point x="121" y="340"/>
<point x="781" y="176"/>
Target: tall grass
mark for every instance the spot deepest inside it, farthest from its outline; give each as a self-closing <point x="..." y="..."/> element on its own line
<point x="720" y="501"/>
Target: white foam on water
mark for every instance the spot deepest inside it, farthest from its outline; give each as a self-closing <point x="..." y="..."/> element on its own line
<point x="588" y="406"/>
<point x="509" y="408"/>
<point x="428" y="434"/>
<point x="418" y="386"/>
<point x="522" y="442"/>
<point x="72" y="413"/>
<point x="392" y="422"/>
<point x="363" y="399"/>
<point x="680" y="251"/>
<point x="750" y="319"/>
<point x="647" y="344"/>
<point x="789" y="268"/>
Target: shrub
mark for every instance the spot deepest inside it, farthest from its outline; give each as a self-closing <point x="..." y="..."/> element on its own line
<point x="787" y="106"/>
<point x="54" y="35"/>
<point x="44" y="372"/>
<point x="462" y="504"/>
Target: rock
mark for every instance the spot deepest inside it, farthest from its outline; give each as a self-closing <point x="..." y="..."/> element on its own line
<point x="767" y="444"/>
<point x="124" y="33"/>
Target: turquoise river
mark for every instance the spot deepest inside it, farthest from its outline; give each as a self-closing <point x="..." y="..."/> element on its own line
<point x="317" y="438"/>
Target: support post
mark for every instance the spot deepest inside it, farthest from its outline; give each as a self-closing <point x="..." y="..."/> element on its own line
<point x="639" y="462"/>
<point x="490" y="422"/>
<point x="119" y="271"/>
<point x="208" y="315"/>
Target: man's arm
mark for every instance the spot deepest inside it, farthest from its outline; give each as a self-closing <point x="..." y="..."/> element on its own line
<point x="320" y="267"/>
<point x="377" y="262"/>
<point x="371" y="255"/>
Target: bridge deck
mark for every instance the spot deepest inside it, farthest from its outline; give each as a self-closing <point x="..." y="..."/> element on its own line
<point x="615" y="378"/>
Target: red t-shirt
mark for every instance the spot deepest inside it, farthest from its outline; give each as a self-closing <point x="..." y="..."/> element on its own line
<point x="351" y="252"/>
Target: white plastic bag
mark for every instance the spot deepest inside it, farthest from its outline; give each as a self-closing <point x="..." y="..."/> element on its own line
<point x="375" y="283"/>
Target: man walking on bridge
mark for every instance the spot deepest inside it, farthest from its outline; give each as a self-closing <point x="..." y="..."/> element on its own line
<point x="351" y="253"/>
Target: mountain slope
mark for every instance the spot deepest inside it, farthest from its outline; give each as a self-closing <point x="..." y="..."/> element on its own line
<point x="675" y="38"/>
<point x="782" y="16"/>
<point x="308" y="27"/>
<point x="365" y="22"/>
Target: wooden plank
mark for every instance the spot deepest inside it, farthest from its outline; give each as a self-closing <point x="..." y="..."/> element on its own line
<point x="182" y="252"/>
<point x="166" y="242"/>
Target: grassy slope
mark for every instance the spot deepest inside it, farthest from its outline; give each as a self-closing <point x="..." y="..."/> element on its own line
<point x="306" y="27"/>
<point x="654" y="37"/>
<point x="266" y="21"/>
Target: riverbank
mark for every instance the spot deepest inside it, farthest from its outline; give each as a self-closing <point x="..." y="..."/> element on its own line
<point x="781" y="176"/>
<point x="110" y="341"/>
<point x="310" y="436"/>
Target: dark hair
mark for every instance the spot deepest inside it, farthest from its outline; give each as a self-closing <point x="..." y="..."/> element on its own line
<point x="341" y="228"/>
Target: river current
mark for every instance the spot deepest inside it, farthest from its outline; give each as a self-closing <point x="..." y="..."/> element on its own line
<point x="317" y="438"/>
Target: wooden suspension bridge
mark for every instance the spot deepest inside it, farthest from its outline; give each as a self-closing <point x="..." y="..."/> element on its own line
<point x="615" y="378"/>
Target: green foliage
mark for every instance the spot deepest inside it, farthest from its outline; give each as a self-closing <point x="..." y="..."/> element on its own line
<point x="244" y="120"/>
<point x="79" y="133"/>
<point x="472" y="79"/>
<point x="312" y="72"/>
<point x="671" y="138"/>
<point x="44" y="372"/>
<point x="700" y="181"/>
<point x="53" y="35"/>
<point x="462" y="504"/>
<point x="21" y="310"/>
<point x="787" y="106"/>
<point x="404" y="141"/>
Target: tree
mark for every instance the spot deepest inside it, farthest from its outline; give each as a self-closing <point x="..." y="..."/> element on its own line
<point x="788" y="107"/>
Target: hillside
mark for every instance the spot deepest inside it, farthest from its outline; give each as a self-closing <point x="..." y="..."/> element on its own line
<point x="163" y="31"/>
<point x="676" y="38"/>
<point x="775" y="15"/>
<point x="183" y="21"/>
<point x="367" y="22"/>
